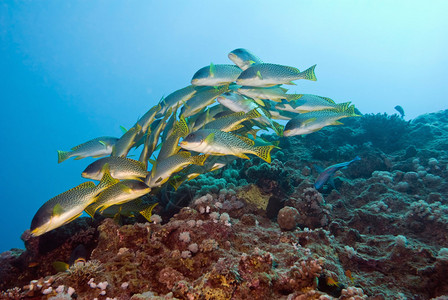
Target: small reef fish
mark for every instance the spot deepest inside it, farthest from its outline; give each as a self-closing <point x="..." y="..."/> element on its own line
<point x="400" y="110"/>
<point x="69" y="205"/>
<point x="175" y="99"/>
<point x="146" y="120"/>
<point x="233" y="121"/>
<point x="328" y="173"/>
<point x="170" y="146"/>
<point x="302" y="103"/>
<point x="97" y="147"/>
<point x="216" y="142"/>
<point x="313" y="121"/>
<point x="78" y="255"/>
<point x="275" y="93"/>
<point x="266" y="75"/>
<point x="119" y="168"/>
<point x="243" y="58"/>
<point x="119" y="193"/>
<point x="162" y="170"/>
<point x="215" y="75"/>
<point x="129" y="209"/>
<point x="202" y="99"/>
<point x="332" y="282"/>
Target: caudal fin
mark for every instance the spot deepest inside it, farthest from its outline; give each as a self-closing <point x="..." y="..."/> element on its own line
<point x="309" y="74"/>
<point x="147" y="212"/>
<point x="198" y="160"/>
<point x="63" y="155"/>
<point x="264" y="152"/>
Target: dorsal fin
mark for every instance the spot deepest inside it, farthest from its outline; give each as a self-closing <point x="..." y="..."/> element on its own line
<point x="328" y="99"/>
<point x="244" y="139"/>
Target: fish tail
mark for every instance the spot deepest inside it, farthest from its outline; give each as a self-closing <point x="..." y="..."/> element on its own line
<point x="181" y="127"/>
<point x="264" y="152"/>
<point x="63" y="155"/>
<point x="351" y="111"/>
<point x="309" y="73"/>
<point x="199" y="160"/>
<point x="253" y="114"/>
<point x="147" y="212"/>
<point x="107" y="180"/>
<point x="278" y="128"/>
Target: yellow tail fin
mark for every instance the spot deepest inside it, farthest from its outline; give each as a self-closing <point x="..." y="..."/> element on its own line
<point x="253" y="114"/>
<point x="309" y="73"/>
<point x="147" y="212"/>
<point x="63" y="155"/>
<point x="264" y="152"/>
<point x="198" y="160"/>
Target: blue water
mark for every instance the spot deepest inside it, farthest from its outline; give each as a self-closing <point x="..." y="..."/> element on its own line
<point x="72" y="71"/>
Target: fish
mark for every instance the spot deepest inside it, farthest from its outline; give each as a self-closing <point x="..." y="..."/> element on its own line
<point x="146" y="120"/>
<point x="243" y="58"/>
<point x="302" y="103"/>
<point x="78" y="255"/>
<point x="233" y="121"/>
<point x="216" y="142"/>
<point x="119" y="193"/>
<point x="119" y="168"/>
<point x="313" y="121"/>
<point x="129" y="209"/>
<point x="275" y="93"/>
<point x="202" y="99"/>
<point x="97" y="147"/>
<point x="400" y="110"/>
<point x="163" y="169"/>
<point x="332" y="282"/>
<point x="216" y="75"/>
<point x="171" y="145"/>
<point x="126" y="142"/>
<point x="175" y="99"/>
<point x="349" y="275"/>
<point x="69" y="205"/>
<point x="328" y="173"/>
<point x="266" y="75"/>
<point x="208" y="115"/>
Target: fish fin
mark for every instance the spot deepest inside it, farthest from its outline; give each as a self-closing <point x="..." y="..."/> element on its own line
<point x="253" y="132"/>
<point x="63" y="155"/>
<point x="331" y="182"/>
<point x="212" y="70"/>
<point x="309" y="73"/>
<point x="328" y="99"/>
<point x="210" y="138"/>
<point x="147" y="212"/>
<point x="259" y="102"/>
<point x="181" y="127"/>
<point x="264" y="152"/>
<point x="236" y="127"/>
<point x="103" y="143"/>
<point x="123" y="130"/>
<point x="278" y="128"/>
<point x="198" y="160"/>
<point x="91" y="209"/>
<point x="240" y="155"/>
<point x="175" y="183"/>
<point x="342" y="107"/>
<point x="245" y="139"/>
<point x="290" y="83"/>
<point x="124" y="188"/>
<point x="107" y="180"/>
<point x="57" y="210"/>
<point x="259" y="75"/>
<point x="310" y="120"/>
<point x="152" y="161"/>
<point x="193" y="176"/>
<point x="60" y="266"/>
<point x="337" y="123"/>
<point x="184" y="154"/>
<point x="78" y="157"/>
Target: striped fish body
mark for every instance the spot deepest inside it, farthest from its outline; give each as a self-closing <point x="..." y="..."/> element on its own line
<point x="232" y="122"/>
<point x="202" y="99"/>
<point x="216" y="142"/>
<point x="266" y="75"/>
<point x="243" y="58"/>
<point x="216" y="75"/>
<point x="176" y="99"/>
<point x="274" y="93"/>
<point x="97" y="147"/>
<point x="313" y="121"/>
<point x="301" y="103"/>
<point x="119" y="167"/>
<point x="125" y="143"/>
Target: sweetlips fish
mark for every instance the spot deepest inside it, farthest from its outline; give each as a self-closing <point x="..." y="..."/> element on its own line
<point x="215" y="75"/>
<point x="69" y="205"/>
<point x="202" y="99"/>
<point x="97" y="147"/>
<point x="327" y="174"/>
<point x="170" y="146"/>
<point x="265" y="75"/>
<point x="175" y="99"/>
<point x="129" y="209"/>
<point x="119" y="168"/>
<point x="216" y="142"/>
<point x="313" y="121"/>
<point x="275" y="93"/>
<point x="200" y="120"/>
<point x="302" y="103"/>
<point x="243" y="58"/>
<point x="162" y="170"/>
<point x="127" y="141"/>
<point x="400" y="110"/>
<point x="233" y="121"/>
<point x="146" y="120"/>
<point x="119" y="193"/>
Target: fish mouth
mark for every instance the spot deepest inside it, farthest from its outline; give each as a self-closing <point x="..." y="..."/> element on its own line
<point x="183" y="143"/>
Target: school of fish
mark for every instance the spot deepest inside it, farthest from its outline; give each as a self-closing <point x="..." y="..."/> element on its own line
<point x="194" y="130"/>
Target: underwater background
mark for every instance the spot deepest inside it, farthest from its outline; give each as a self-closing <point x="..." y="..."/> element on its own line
<point x="72" y="71"/>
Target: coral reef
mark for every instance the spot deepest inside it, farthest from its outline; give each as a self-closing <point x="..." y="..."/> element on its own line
<point x="257" y="231"/>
